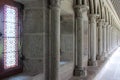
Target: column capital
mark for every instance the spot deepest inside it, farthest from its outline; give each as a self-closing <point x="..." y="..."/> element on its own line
<point x="80" y="10"/>
<point x="93" y="15"/>
<point x="101" y="20"/>
<point x="109" y="25"/>
<point x="93" y="18"/>
<point x="55" y="3"/>
<point x="106" y="23"/>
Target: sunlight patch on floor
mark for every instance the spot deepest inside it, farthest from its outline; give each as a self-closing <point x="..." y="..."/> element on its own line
<point x="111" y="70"/>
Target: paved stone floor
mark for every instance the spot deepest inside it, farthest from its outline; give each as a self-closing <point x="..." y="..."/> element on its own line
<point x="19" y="77"/>
<point x="111" y="70"/>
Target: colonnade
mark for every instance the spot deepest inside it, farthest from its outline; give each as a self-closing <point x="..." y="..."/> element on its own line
<point x="108" y="38"/>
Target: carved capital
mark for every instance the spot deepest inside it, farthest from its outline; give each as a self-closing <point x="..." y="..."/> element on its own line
<point x="93" y="18"/>
<point x="80" y="10"/>
<point x="55" y="3"/>
<point x="101" y="20"/>
<point x="109" y="26"/>
<point x="106" y="23"/>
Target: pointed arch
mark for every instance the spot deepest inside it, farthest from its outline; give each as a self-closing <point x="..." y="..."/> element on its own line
<point x="99" y="8"/>
<point x="100" y="5"/>
<point x="105" y="13"/>
<point x="109" y="17"/>
<point x="91" y="6"/>
<point x="102" y="9"/>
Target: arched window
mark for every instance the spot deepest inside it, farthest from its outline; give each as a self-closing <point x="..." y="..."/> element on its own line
<point x="10" y="38"/>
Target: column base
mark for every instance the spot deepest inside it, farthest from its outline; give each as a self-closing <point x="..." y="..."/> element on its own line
<point x="100" y="58"/>
<point x="92" y="63"/>
<point x="80" y="71"/>
<point x="106" y="56"/>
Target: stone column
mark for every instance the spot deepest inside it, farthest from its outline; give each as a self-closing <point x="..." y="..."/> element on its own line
<point x="92" y="61"/>
<point x="104" y="39"/>
<point x="100" y="39"/>
<point x="107" y="39"/>
<point x="110" y="38"/>
<point x="55" y="40"/>
<point x="81" y="13"/>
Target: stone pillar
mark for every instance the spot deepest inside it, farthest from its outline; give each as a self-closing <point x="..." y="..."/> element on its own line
<point x="110" y="38"/>
<point x="100" y="39"/>
<point x="55" y="41"/>
<point x="107" y="39"/>
<point x="92" y="61"/>
<point x="81" y="13"/>
<point x="104" y="39"/>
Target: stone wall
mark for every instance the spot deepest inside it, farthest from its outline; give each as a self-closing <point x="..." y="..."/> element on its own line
<point x="34" y="36"/>
<point x="67" y="39"/>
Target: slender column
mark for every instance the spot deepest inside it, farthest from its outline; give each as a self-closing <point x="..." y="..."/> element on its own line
<point x="85" y="2"/>
<point x="92" y="61"/>
<point x="100" y="40"/>
<point x="104" y="39"/>
<point x="55" y="40"/>
<point x="107" y="39"/>
<point x="110" y="38"/>
<point x="117" y="39"/>
<point x="81" y="12"/>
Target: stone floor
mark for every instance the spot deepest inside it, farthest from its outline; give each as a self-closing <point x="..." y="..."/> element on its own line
<point x="19" y="77"/>
<point x="109" y="70"/>
<point x="92" y="71"/>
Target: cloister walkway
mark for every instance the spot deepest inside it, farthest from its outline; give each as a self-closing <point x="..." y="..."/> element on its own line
<point x="111" y="70"/>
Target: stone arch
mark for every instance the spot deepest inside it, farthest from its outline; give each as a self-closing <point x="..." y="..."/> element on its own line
<point x="107" y="11"/>
<point x="112" y="21"/>
<point x="106" y="14"/>
<point x="102" y="9"/>
<point x="91" y="6"/>
<point x="81" y="2"/>
<point x="95" y="6"/>
<point x="98" y="8"/>
<point x="109" y="17"/>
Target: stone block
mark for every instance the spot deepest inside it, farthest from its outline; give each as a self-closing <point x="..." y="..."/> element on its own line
<point x="33" y="45"/>
<point x="34" y="21"/>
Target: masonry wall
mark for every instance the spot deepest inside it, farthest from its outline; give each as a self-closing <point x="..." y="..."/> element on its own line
<point x="34" y="36"/>
<point x="67" y="39"/>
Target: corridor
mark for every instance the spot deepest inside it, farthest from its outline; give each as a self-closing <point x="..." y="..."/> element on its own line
<point x="111" y="70"/>
<point x="59" y="40"/>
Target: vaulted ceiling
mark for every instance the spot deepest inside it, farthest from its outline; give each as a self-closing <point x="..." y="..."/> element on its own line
<point x="116" y="4"/>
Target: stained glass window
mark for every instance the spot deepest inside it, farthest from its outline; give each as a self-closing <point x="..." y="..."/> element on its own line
<point x="10" y="37"/>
